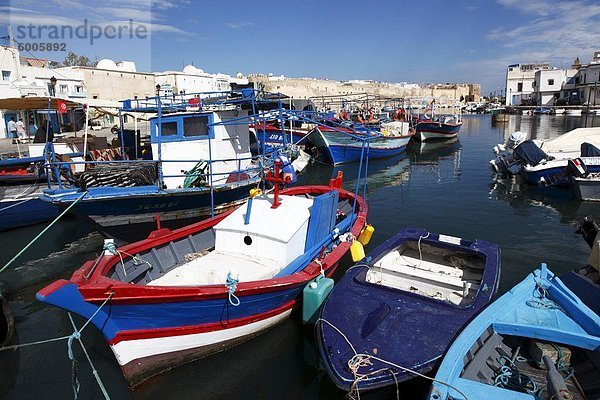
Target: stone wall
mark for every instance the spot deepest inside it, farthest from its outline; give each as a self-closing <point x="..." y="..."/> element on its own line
<point x="320" y="89"/>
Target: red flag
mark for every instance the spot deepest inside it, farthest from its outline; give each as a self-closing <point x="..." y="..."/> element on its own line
<point x="61" y="105"/>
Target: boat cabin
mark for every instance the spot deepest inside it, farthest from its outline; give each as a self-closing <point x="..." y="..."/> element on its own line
<point x="267" y="243"/>
<point x="190" y="137"/>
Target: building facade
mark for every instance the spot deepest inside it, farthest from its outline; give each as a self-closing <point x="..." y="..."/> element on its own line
<point x="520" y="81"/>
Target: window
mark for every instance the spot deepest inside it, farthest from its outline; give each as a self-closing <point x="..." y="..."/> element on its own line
<point x="520" y="87"/>
<point x="79" y="89"/>
<point x="550" y="82"/>
<point x="6" y="75"/>
<point x="169" y="128"/>
<point x="195" y="126"/>
<point x="62" y="89"/>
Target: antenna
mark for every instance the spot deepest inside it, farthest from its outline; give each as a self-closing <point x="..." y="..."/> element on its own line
<point x="11" y="42"/>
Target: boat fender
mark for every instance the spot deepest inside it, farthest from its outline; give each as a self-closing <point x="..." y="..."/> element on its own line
<point x="357" y="251"/>
<point x="255" y="192"/>
<point x="313" y="297"/>
<point x="365" y="235"/>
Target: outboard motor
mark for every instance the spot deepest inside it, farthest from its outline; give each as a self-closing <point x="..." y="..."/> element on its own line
<point x="575" y="167"/>
<point x="505" y="157"/>
<point x="588" y="229"/>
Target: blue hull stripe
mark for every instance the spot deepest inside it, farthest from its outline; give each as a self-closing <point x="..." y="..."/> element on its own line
<point x="115" y="318"/>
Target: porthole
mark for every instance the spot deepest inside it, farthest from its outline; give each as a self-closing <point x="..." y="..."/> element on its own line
<point x="248" y="240"/>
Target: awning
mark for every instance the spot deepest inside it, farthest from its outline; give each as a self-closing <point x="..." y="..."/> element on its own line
<point x="41" y="103"/>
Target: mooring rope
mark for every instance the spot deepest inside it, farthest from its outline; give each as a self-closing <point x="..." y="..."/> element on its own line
<point x="39" y="235"/>
<point x="361" y="360"/>
<point x="70" y="338"/>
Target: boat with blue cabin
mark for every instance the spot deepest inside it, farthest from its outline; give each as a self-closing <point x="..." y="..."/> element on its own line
<point x="402" y="306"/>
<point x="201" y="164"/>
<point x="184" y="294"/>
<point x="538" y="341"/>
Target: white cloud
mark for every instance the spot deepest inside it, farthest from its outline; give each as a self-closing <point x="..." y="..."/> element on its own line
<point x="239" y="25"/>
<point x="566" y="29"/>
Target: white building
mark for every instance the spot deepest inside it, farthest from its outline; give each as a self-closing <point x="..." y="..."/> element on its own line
<point x="192" y="80"/>
<point x="548" y="85"/>
<point x="20" y="80"/>
<point x="520" y="79"/>
<point x="589" y="81"/>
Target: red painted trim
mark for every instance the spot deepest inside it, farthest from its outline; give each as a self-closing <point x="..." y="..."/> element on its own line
<point x="96" y="288"/>
<point x="193" y="329"/>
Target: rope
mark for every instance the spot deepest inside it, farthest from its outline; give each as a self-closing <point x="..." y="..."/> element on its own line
<point x="39" y="235"/>
<point x="541" y="301"/>
<point x="361" y="360"/>
<point x="70" y="338"/>
<point x="231" y="284"/>
<point x="16" y="204"/>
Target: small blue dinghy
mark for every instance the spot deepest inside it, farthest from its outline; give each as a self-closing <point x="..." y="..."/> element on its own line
<point x="538" y="341"/>
<point x="403" y="306"/>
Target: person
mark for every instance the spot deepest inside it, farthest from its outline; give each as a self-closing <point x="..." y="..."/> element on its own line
<point x="21" y="133"/>
<point x="40" y="134"/>
<point x="12" y="129"/>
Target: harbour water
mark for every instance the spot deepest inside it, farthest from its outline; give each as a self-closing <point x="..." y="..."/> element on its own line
<point x="443" y="187"/>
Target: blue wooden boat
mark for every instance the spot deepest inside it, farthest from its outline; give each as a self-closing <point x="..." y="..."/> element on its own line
<point x="404" y="303"/>
<point x="438" y="128"/>
<point x="180" y="295"/>
<point x="344" y="145"/>
<point x="538" y="341"/>
<point x="20" y="206"/>
<point x="542" y="111"/>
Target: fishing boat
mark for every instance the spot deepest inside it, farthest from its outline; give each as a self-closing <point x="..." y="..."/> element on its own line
<point x="344" y="144"/>
<point x="20" y="206"/>
<point x="538" y="341"/>
<point x="573" y="112"/>
<point x="404" y="304"/>
<point x="180" y="295"/>
<point x="542" y="111"/>
<point x="585" y="281"/>
<point x="437" y="128"/>
<point x="201" y="164"/>
<point x="540" y="161"/>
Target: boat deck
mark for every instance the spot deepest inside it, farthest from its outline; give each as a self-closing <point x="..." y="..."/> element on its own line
<point x="445" y="275"/>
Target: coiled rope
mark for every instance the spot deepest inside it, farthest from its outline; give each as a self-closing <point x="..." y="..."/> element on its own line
<point x="231" y="284"/>
<point x="361" y="360"/>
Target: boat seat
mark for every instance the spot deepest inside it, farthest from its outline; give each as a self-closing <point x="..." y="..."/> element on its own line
<point x="427" y="270"/>
<point x="212" y="269"/>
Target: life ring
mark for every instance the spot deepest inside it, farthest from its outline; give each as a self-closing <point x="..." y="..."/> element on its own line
<point x="425" y="116"/>
<point x="359" y="118"/>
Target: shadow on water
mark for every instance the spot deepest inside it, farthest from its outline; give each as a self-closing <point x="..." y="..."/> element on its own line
<point x="444" y="187"/>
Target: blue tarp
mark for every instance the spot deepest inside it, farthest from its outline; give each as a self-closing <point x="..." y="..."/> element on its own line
<point x="589" y="150"/>
<point x="530" y="153"/>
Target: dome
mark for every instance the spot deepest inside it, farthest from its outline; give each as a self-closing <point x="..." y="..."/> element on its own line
<point x="191" y="70"/>
<point x="106" y="64"/>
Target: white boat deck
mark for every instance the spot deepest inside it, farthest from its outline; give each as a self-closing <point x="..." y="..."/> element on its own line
<point x="431" y="276"/>
<point x="212" y="269"/>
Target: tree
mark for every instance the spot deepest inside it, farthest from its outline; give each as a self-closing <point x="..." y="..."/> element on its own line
<point x="73" y="60"/>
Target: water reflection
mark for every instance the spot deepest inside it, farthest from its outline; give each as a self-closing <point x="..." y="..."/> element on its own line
<point x="440" y="160"/>
<point x="525" y="198"/>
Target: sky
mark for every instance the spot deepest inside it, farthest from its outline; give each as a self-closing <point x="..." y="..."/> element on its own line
<point x="427" y="41"/>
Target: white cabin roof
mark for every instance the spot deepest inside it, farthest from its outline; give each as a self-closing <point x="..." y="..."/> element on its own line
<point x="278" y="224"/>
